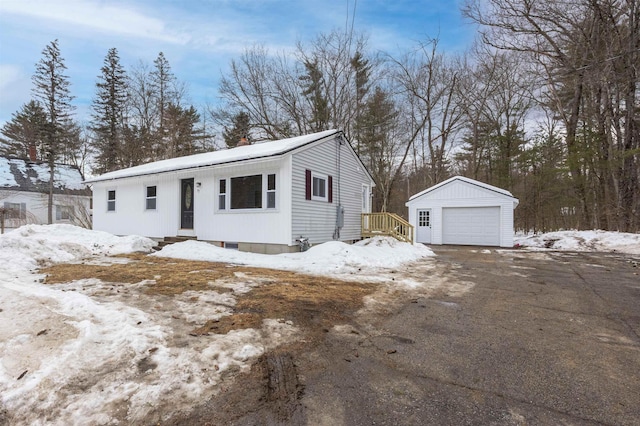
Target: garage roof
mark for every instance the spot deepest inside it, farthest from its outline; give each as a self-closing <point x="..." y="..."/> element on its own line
<point x="469" y="181"/>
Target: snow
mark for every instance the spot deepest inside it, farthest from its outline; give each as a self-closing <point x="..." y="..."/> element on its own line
<point x="601" y="241"/>
<point x="93" y="352"/>
<point x="65" y="177"/>
<point x="332" y="258"/>
<point x="240" y="153"/>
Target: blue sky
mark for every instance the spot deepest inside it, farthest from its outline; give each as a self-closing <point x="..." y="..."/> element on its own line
<point x="198" y="37"/>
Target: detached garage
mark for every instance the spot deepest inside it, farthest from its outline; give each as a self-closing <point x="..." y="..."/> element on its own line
<point x="463" y="211"/>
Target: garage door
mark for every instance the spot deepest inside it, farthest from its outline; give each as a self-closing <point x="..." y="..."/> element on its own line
<point x="478" y="226"/>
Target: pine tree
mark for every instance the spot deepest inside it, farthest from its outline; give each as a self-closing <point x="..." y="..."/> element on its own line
<point x="239" y="130"/>
<point x="182" y="131"/>
<point x="51" y="87"/>
<point x="108" y="111"/>
<point x="162" y="81"/>
<point x="362" y="69"/>
<point x="313" y="90"/>
<point x="24" y="132"/>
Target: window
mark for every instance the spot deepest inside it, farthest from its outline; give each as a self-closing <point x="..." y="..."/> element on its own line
<point x="64" y="212"/>
<point x="318" y="187"/>
<point x="271" y="191"/>
<point x="111" y="200"/>
<point x="423" y="218"/>
<point x="222" y="195"/>
<point x="246" y="192"/>
<point x="151" y="197"/>
<point x="15" y="210"/>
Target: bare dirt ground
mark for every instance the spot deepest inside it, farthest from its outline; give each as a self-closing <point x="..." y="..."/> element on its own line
<point x="483" y="337"/>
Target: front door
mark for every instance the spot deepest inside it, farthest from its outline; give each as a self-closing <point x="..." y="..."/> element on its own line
<point x="423" y="231"/>
<point x="186" y="204"/>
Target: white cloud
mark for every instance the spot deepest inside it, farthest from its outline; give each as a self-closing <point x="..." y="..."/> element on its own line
<point x="109" y="18"/>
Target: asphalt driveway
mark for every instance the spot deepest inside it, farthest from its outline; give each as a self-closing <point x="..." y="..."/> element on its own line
<point x="541" y="338"/>
<point x="513" y="338"/>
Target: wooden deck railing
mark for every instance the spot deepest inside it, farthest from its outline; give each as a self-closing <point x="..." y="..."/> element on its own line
<point x="374" y="224"/>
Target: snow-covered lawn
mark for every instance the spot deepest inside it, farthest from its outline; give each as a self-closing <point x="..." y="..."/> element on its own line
<point x="91" y="352"/>
<point x="600" y="241"/>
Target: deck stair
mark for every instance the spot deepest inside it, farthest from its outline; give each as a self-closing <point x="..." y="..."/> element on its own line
<point x="389" y="224"/>
<point x="171" y="240"/>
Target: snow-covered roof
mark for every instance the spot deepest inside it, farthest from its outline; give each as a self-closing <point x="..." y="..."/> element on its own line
<point x="33" y="176"/>
<point x="467" y="180"/>
<point x="241" y="153"/>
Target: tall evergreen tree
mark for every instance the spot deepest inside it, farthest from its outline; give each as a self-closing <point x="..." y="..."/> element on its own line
<point x="314" y="92"/>
<point x="239" y="130"/>
<point x="24" y="132"/>
<point x="162" y="81"/>
<point x="378" y="145"/>
<point x="51" y="87"/>
<point x="108" y="111"/>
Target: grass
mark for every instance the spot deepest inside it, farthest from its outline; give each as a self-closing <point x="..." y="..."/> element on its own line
<point x="313" y="303"/>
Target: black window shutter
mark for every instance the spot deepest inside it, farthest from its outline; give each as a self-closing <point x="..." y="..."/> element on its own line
<point x="307" y="184"/>
<point x="330" y="185"/>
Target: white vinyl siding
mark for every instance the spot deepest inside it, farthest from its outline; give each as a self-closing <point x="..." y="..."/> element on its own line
<point x="317" y="220"/>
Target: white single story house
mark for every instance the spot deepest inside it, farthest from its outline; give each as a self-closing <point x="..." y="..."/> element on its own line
<point x="463" y="211"/>
<point x="259" y="198"/>
<point x="24" y="194"/>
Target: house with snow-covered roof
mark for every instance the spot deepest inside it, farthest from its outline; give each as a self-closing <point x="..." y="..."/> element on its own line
<point x="24" y="193"/>
<point x="260" y="198"/>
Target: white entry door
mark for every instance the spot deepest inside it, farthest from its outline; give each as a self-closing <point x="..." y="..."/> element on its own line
<point x="423" y="231"/>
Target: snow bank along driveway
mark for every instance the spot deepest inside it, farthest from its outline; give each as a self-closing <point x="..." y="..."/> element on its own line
<point x="92" y="352"/>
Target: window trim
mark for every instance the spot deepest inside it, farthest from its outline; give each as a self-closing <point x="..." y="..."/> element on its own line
<point x="110" y="201"/>
<point x="21" y="210"/>
<point x="60" y="209"/>
<point x="325" y="179"/>
<point x="147" y="198"/>
<point x="227" y="196"/>
<point x="424" y="218"/>
<point x="222" y="196"/>
<point x="273" y="191"/>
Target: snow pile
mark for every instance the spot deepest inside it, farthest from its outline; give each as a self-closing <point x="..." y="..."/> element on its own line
<point x="31" y="246"/>
<point x="332" y="258"/>
<point x="604" y="241"/>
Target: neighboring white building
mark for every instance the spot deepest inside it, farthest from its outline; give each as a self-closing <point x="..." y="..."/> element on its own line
<point x="24" y="194"/>
<point x="463" y="211"/>
<point x="259" y="198"/>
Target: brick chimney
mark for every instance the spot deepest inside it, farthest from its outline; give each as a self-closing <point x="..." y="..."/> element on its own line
<point x="33" y="154"/>
<point x="243" y="141"/>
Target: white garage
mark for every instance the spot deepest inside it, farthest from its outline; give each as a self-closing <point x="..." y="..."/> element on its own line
<point x="463" y="211"/>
